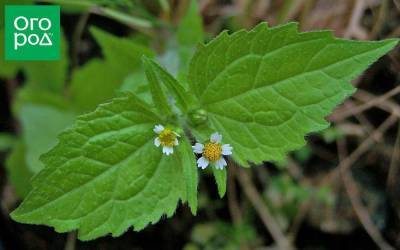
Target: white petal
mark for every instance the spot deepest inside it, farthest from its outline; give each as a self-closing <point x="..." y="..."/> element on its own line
<point x="168" y="150"/>
<point x="226" y="149"/>
<point x="158" y="128"/>
<point x="198" y="148"/>
<point x="220" y="164"/>
<point x="216" y="137"/>
<point x="177" y="134"/>
<point x="157" y="142"/>
<point x="176" y="142"/>
<point x="202" y="162"/>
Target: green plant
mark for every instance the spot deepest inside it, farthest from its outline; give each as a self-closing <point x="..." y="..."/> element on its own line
<point x="263" y="90"/>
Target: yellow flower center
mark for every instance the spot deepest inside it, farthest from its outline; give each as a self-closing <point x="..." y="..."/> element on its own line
<point x="212" y="151"/>
<point x="167" y="138"/>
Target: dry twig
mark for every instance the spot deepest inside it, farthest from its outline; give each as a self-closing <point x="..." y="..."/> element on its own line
<point x="363" y="147"/>
<point x="233" y="204"/>
<point x="382" y="15"/>
<point x="386" y="105"/>
<point x="262" y="210"/>
<point x="371" y="103"/>
<point x="71" y="241"/>
<point x="354" y="28"/>
<point x="397" y="4"/>
<point x="394" y="162"/>
<point x="76" y="38"/>
<point x="355" y="200"/>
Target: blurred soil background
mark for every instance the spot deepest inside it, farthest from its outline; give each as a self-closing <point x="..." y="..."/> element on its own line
<point x="342" y="191"/>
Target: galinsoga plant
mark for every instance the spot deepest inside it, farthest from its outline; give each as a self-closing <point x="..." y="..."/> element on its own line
<point x="251" y="96"/>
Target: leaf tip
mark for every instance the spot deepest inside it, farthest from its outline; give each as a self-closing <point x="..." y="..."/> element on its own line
<point x="95" y="31"/>
<point x="261" y="25"/>
<point x="16" y="215"/>
<point x="392" y="42"/>
<point x="145" y="58"/>
<point x="193" y="209"/>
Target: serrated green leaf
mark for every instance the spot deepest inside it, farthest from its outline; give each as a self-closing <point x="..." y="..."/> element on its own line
<point x="17" y="170"/>
<point x="105" y="175"/>
<point x="94" y="83"/>
<point x="189" y="172"/>
<point x="157" y="93"/>
<point x="40" y="127"/>
<point x="98" y="80"/>
<point x="220" y="180"/>
<point x="121" y="54"/>
<point x="265" y="89"/>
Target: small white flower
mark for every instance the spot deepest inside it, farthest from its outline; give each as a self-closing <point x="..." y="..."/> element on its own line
<point x="216" y="138"/>
<point x="212" y="152"/>
<point x="198" y="148"/>
<point x="166" y="138"/>
<point x="158" y="129"/>
<point x="202" y="162"/>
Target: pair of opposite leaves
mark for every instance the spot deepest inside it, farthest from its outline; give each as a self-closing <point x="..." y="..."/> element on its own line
<point x="263" y="90"/>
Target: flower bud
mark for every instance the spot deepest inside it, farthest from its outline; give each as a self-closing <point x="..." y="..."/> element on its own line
<point x="198" y="116"/>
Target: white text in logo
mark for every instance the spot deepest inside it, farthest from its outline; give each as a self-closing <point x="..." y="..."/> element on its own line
<point x="38" y="38"/>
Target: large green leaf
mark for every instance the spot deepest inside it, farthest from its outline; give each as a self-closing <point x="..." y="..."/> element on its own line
<point x="98" y="80"/>
<point x="94" y="83"/>
<point x="123" y="55"/>
<point x="18" y="172"/>
<point x="105" y="174"/>
<point x="40" y="127"/>
<point x="265" y="89"/>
